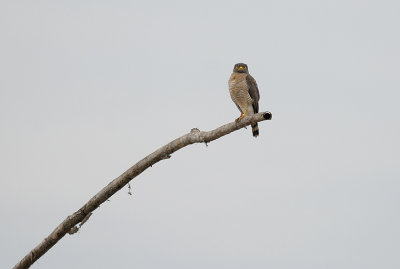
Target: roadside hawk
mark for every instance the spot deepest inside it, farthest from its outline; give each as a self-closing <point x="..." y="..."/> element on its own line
<point x="244" y="93"/>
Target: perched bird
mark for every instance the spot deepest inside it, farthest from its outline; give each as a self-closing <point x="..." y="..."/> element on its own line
<point x="244" y="93"/>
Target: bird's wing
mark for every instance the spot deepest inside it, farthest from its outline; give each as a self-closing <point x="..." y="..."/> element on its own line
<point x="253" y="91"/>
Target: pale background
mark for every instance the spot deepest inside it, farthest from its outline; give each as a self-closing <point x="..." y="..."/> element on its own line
<point x="87" y="88"/>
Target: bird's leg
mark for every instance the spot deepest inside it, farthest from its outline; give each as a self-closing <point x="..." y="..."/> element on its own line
<point x="242" y="115"/>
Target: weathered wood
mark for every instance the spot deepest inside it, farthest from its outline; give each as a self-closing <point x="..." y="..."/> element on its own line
<point x="70" y="224"/>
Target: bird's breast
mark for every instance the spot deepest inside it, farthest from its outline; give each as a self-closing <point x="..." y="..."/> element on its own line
<point x="239" y="90"/>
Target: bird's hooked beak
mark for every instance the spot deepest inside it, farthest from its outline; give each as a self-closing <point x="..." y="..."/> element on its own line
<point x="240" y="68"/>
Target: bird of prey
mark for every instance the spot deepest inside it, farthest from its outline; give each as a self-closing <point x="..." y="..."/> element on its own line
<point x="244" y="93"/>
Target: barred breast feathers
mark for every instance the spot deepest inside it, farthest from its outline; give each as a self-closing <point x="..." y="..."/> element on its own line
<point x="238" y="89"/>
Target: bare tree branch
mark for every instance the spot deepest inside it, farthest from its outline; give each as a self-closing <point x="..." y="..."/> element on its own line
<point x="70" y="224"/>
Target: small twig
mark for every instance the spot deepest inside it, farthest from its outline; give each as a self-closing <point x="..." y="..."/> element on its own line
<point x="129" y="189"/>
<point x="76" y="228"/>
<point x="166" y="156"/>
<point x="73" y="230"/>
<point x="85" y="219"/>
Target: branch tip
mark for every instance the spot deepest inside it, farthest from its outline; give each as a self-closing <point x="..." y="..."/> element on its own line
<point x="267" y="115"/>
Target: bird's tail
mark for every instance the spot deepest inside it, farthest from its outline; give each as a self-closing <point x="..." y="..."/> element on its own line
<point x="254" y="128"/>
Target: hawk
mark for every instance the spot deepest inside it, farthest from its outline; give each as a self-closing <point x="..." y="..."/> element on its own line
<point x="244" y="93"/>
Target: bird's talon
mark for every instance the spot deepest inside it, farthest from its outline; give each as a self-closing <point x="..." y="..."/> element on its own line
<point x="239" y="119"/>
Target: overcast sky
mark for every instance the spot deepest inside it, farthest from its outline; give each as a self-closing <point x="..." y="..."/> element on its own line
<point x="88" y="88"/>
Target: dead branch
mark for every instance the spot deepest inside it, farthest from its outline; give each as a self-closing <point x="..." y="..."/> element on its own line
<point x="69" y="225"/>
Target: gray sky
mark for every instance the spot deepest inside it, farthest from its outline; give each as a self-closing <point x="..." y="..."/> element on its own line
<point x="88" y="88"/>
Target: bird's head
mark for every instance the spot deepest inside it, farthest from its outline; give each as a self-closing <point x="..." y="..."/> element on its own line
<point x="240" y="68"/>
